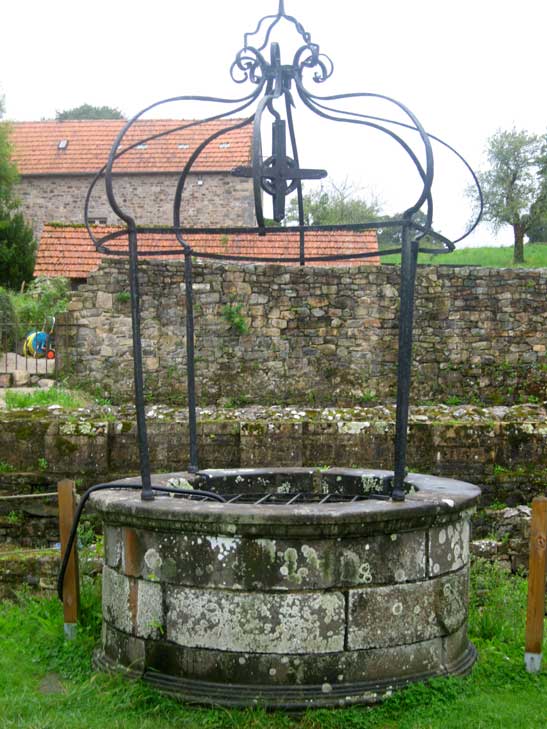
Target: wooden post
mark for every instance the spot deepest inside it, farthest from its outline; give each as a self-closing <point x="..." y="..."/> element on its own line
<point x="71" y="585"/>
<point x="536" y="586"/>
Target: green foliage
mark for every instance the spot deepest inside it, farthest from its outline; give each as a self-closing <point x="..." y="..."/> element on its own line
<point x="391" y="237"/>
<point x="17" y="250"/>
<point x="43" y="298"/>
<point x="515" y="184"/>
<point x="367" y="396"/>
<point x="43" y="465"/>
<point x="6" y="467"/>
<point x="17" y="245"/>
<point x="490" y="257"/>
<point x="15" y="517"/>
<point x="8" y="171"/>
<point x="8" y="322"/>
<point x="498" y="693"/>
<point x="88" y="111"/>
<point x="232" y="314"/>
<point x="122" y="297"/>
<point x="334" y="204"/>
<point x="43" y="398"/>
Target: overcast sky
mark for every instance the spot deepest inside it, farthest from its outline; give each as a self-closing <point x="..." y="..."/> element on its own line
<point x="464" y="68"/>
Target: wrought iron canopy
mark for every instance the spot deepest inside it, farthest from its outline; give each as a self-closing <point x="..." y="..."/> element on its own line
<point x="275" y="88"/>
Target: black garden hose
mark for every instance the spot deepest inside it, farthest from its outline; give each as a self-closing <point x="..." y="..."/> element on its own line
<point x="110" y="486"/>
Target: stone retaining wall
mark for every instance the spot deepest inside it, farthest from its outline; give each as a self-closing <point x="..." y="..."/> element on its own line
<point x="503" y="450"/>
<point x="312" y="335"/>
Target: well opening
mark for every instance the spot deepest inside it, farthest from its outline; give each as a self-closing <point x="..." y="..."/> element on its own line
<point x="295" y="485"/>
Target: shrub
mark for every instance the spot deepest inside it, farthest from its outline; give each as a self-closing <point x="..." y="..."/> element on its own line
<point x="17" y="250"/>
<point x="44" y="298"/>
<point x="8" y="322"/>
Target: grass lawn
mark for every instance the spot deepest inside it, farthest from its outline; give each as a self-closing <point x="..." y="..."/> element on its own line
<point x="46" y="683"/>
<point x="43" y="398"/>
<point x="535" y="256"/>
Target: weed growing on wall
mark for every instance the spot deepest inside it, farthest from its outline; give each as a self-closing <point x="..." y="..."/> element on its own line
<point x="232" y="314"/>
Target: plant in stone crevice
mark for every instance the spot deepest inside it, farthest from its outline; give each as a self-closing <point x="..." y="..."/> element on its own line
<point x="231" y="313"/>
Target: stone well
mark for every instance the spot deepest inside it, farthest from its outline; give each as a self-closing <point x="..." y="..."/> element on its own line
<point x="287" y="604"/>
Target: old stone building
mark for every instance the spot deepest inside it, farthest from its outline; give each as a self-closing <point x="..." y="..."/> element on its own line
<point x="57" y="161"/>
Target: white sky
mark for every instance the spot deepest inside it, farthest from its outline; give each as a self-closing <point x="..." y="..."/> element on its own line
<point x="464" y="68"/>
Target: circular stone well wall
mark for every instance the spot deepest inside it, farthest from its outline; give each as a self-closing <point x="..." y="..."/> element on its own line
<point x="287" y="605"/>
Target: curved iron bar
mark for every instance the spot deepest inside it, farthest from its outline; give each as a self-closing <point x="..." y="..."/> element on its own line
<point x="114" y="487"/>
<point x="188" y="166"/>
<point x="101" y="174"/>
<point x="434" y="137"/>
<point x="425" y="230"/>
<point x="281" y="15"/>
<point x="427" y="184"/>
<point x="115" y="154"/>
<point x="349" y="227"/>
<point x="427" y="173"/>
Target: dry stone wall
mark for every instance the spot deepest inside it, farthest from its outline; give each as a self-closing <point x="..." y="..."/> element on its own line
<point x="285" y="334"/>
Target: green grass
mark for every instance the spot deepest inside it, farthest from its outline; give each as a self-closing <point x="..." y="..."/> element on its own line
<point x="499" y="694"/>
<point x="42" y="398"/>
<point x="535" y="256"/>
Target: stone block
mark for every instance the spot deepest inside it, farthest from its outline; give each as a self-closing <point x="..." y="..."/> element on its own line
<point x="404" y="614"/>
<point x="112" y="546"/>
<point x="6" y="379"/>
<point x="448" y="547"/>
<point x="20" y="378"/>
<point x="104" y="301"/>
<point x="132" y="606"/>
<point x="116" y="591"/>
<point x="292" y="623"/>
<point x="330" y="669"/>
<point x="124" y="650"/>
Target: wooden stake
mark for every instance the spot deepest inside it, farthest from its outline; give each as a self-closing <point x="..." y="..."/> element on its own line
<point x="536" y="586"/>
<point x="71" y="585"/>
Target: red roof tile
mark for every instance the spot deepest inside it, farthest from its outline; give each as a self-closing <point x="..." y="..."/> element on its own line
<point x="36" y="146"/>
<point x="68" y="250"/>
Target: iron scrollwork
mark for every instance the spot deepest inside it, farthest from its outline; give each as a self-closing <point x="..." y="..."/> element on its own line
<point x="276" y="88"/>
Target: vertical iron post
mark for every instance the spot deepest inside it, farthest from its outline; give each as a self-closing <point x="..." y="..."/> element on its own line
<point x="147" y="494"/>
<point x="190" y="363"/>
<point x="409" y="259"/>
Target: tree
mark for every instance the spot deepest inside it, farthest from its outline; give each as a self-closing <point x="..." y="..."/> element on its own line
<point x="87" y="111"/>
<point x="8" y="170"/>
<point x="392" y="237"/>
<point x="514" y="186"/>
<point x="334" y="204"/>
<point x="17" y="246"/>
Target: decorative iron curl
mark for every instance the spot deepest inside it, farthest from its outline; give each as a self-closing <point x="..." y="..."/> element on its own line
<point x="281" y="14"/>
<point x="315" y="59"/>
<point x="248" y="62"/>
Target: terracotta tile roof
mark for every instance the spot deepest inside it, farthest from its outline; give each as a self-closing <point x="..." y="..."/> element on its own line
<point x="68" y="250"/>
<point x="36" y="146"/>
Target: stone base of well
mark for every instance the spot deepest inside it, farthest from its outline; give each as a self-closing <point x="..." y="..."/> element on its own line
<point x="287" y="605"/>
